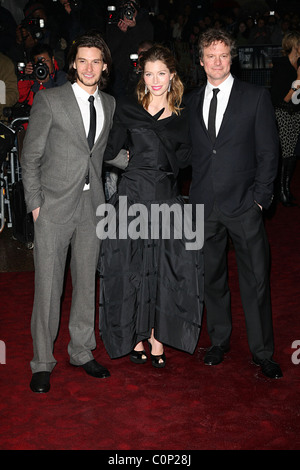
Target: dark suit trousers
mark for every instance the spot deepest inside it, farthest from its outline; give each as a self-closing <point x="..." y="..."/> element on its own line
<point x="252" y="255"/>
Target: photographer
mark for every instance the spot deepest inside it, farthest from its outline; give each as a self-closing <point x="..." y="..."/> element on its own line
<point x="41" y="73"/>
<point x="135" y="72"/>
<point x="129" y="27"/>
<point x="37" y="27"/>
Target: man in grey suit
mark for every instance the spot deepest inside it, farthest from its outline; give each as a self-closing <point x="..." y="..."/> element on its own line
<point x="61" y="170"/>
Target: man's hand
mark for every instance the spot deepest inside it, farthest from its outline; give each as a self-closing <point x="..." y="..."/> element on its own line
<point x="123" y="25"/>
<point x="29" y="68"/>
<point x="66" y="6"/>
<point x="35" y="213"/>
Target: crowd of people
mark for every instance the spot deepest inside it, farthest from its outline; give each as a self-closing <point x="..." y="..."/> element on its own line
<point x="175" y="24"/>
<point x="145" y="122"/>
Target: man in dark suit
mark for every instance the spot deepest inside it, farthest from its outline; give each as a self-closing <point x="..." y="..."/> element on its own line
<point x="61" y="168"/>
<point x="235" y="159"/>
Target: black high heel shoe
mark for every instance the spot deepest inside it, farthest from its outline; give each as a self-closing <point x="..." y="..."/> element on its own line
<point x="137" y="357"/>
<point x="157" y="361"/>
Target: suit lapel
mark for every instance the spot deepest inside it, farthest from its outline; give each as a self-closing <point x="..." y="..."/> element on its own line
<point x="231" y="109"/>
<point x="199" y="107"/>
<point x="105" y="118"/>
<point x="73" y="111"/>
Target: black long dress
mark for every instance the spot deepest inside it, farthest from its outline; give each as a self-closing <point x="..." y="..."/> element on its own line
<point x="149" y="283"/>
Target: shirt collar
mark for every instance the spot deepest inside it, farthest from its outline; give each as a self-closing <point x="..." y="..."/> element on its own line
<point x="224" y="86"/>
<point x="81" y="93"/>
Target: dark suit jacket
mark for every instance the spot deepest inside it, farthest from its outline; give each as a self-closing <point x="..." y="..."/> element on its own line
<point x="242" y="165"/>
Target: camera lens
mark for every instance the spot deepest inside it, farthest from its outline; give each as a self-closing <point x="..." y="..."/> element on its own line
<point x="41" y="70"/>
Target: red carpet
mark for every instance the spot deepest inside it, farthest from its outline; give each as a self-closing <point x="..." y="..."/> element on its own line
<point x="187" y="405"/>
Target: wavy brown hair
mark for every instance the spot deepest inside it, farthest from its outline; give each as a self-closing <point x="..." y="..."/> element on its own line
<point x="158" y="52"/>
<point x="90" y="39"/>
<point x="213" y="35"/>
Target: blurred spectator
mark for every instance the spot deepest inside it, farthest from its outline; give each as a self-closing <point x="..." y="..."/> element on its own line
<point x="7" y="30"/>
<point x="36" y="27"/>
<point x="278" y="34"/>
<point x="9" y="78"/>
<point x="260" y="34"/>
<point x="242" y="34"/>
<point x="135" y="74"/>
<point x="16" y="8"/>
<point x="123" y="39"/>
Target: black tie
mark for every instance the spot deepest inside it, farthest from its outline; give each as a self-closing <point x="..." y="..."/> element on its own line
<point x="92" y="130"/>
<point x="212" y="115"/>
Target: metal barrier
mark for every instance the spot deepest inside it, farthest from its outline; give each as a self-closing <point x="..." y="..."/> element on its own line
<point x="255" y="63"/>
<point x="10" y="172"/>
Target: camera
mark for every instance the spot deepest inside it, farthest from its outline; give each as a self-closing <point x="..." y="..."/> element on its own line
<point x="134" y="58"/>
<point x="21" y="70"/>
<point x="40" y="70"/>
<point x="125" y="10"/>
<point x="17" y="111"/>
<point x="35" y="26"/>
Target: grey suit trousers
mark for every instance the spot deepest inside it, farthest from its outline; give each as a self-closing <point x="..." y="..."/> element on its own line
<point x="52" y="242"/>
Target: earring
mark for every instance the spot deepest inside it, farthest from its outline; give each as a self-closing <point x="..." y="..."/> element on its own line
<point x="169" y="87"/>
<point x="146" y="89"/>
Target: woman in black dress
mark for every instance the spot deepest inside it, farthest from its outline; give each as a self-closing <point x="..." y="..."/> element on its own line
<point x="151" y="288"/>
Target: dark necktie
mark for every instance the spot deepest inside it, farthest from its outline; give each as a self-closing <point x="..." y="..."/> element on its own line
<point x="92" y="130"/>
<point x="212" y="116"/>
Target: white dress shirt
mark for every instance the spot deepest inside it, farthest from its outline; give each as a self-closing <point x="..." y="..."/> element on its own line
<point x="82" y="98"/>
<point x="222" y="100"/>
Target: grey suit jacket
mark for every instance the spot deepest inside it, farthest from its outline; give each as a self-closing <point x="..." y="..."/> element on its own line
<point x="56" y="156"/>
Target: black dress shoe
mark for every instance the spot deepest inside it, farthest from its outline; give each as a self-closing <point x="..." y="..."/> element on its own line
<point x="269" y="368"/>
<point x="40" y="382"/>
<point x="215" y="355"/>
<point x="95" y="370"/>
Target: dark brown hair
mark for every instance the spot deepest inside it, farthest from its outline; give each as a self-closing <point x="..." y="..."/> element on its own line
<point x="211" y="36"/>
<point x="158" y="52"/>
<point x="90" y="39"/>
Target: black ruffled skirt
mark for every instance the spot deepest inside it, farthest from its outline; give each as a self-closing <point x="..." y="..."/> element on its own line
<point x="149" y="283"/>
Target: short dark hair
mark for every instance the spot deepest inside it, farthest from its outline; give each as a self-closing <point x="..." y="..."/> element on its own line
<point x="39" y="48"/>
<point x="213" y="35"/>
<point x="90" y="39"/>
